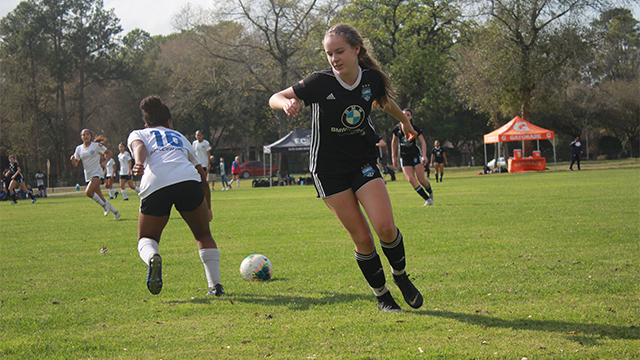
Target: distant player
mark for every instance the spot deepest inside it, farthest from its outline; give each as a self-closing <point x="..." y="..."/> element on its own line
<point x="15" y="174"/>
<point x="90" y="152"/>
<point x="438" y="160"/>
<point x="171" y="175"/>
<point x="109" y="175"/>
<point x="202" y="149"/>
<point x="412" y="159"/>
<point x="125" y="172"/>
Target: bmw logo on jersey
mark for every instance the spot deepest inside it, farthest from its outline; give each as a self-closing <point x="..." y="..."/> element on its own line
<point x="353" y="116"/>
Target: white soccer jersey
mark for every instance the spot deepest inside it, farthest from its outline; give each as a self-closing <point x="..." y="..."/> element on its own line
<point x="90" y="157"/>
<point x="201" y="149"/>
<point x="111" y="164"/>
<point x="125" y="166"/>
<point x="170" y="158"/>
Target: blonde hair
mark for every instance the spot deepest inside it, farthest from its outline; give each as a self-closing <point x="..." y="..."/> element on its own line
<point x="353" y="37"/>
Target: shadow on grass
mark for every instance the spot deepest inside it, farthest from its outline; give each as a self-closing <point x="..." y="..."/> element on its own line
<point x="293" y="302"/>
<point x="587" y="334"/>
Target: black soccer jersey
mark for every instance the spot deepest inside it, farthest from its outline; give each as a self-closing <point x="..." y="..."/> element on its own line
<point x="408" y="148"/>
<point x="342" y="134"/>
<point x="438" y="155"/>
<point x="13" y="169"/>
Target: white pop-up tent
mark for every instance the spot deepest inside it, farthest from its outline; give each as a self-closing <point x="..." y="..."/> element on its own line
<point x="519" y="129"/>
<point x="295" y="141"/>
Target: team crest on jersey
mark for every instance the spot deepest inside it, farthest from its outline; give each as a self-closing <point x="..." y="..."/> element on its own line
<point x="353" y="116"/>
<point x="366" y="92"/>
<point x="368" y="171"/>
<point x="92" y="152"/>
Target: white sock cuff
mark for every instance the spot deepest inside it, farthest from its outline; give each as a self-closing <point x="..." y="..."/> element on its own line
<point x="209" y="254"/>
<point x="146" y="248"/>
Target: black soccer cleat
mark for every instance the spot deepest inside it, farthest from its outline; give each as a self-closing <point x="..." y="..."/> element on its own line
<point x="387" y="304"/>
<point x="217" y="290"/>
<point x="411" y="295"/>
<point x="154" y="275"/>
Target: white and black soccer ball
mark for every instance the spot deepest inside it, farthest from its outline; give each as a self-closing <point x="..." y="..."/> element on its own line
<point x="256" y="267"/>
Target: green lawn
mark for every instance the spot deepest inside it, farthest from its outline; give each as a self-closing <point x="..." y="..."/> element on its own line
<point x="536" y="265"/>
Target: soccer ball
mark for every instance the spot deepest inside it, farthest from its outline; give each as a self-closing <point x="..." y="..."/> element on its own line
<point x="256" y="267"/>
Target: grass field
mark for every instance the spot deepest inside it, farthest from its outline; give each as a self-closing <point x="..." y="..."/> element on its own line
<point x="535" y="265"/>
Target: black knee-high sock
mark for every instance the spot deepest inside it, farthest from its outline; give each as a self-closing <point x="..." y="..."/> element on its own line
<point x="422" y="193"/>
<point x="371" y="268"/>
<point x="14" y="196"/>
<point x="429" y="190"/>
<point x="395" y="253"/>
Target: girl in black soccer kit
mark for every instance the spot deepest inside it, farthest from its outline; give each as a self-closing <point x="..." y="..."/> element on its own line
<point x="411" y="159"/>
<point x="438" y="159"/>
<point x="343" y="154"/>
<point x="15" y="173"/>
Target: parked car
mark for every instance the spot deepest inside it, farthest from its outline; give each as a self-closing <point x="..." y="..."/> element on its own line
<point x="501" y="162"/>
<point x="256" y="168"/>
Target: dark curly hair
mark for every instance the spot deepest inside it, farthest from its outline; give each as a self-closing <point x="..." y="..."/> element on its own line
<point x="154" y="111"/>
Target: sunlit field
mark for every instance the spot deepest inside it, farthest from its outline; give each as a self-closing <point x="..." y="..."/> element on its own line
<point x="535" y="265"/>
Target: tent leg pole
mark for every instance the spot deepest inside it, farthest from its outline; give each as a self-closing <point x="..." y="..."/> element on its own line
<point x="555" y="167"/>
<point x="485" y="154"/>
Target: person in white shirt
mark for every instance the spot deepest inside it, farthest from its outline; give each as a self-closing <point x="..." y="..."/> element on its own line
<point x="109" y="175"/>
<point x="202" y="149"/>
<point x="90" y="152"/>
<point x="125" y="172"/>
<point x="171" y="175"/>
<point x="42" y="189"/>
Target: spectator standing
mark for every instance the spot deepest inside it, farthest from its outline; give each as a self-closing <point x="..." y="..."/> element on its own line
<point x="42" y="189"/>
<point x="576" y="151"/>
<point x="212" y="171"/>
<point x="235" y="172"/>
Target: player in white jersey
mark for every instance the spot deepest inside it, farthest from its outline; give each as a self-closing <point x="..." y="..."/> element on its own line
<point x="202" y="148"/>
<point x="343" y="154"/>
<point x="109" y="175"/>
<point x="125" y="171"/>
<point x="171" y="175"/>
<point x="91" y="152"/>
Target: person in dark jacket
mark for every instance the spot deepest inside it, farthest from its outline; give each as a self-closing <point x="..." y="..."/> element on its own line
<point x="576" y="150"/>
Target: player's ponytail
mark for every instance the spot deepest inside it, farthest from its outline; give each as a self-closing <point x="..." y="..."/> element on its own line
<point x="353" y="37"/>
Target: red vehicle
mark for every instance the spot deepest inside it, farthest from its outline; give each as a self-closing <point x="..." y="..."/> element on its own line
<point x="256" y="168"/>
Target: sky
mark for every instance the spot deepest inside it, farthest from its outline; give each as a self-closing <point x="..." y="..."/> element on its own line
<point x="154" y="16"/>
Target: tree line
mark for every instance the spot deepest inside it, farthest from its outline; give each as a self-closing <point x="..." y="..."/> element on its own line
<point x="464" y="67"/>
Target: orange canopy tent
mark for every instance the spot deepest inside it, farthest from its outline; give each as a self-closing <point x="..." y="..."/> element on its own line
<point x="519" y="129"/>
